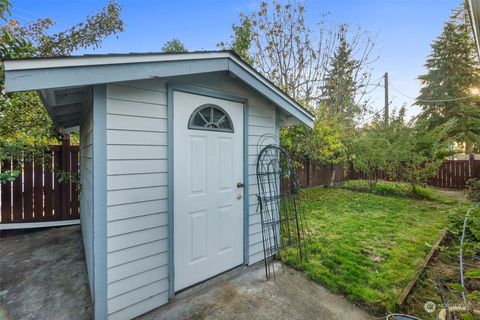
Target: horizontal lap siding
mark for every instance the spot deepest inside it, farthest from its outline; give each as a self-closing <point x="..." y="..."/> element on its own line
<point x="136" y="198"/>
<point x="86" y="196"/>
<point x="261" y="121"/>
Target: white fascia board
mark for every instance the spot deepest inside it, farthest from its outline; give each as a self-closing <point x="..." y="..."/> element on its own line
<point x="285" y="102"/>
<point x="80" y="61"/>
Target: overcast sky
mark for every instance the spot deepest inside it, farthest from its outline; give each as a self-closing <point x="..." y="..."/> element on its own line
<point x="404" y="29"/>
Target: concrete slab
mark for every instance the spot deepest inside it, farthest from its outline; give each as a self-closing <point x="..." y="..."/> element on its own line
<point x="244" y="294"/>
<point x="43" y="275"/>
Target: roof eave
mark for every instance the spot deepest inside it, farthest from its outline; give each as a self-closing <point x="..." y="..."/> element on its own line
<point x="44" y="74"/>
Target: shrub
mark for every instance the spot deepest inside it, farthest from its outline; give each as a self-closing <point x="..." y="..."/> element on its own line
<point x="473" y="189"/>
<point x="387" y="188"/>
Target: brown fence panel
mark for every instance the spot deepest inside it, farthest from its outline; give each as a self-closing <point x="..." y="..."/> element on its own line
<point x="451" y="174"/>
<point x="315" y="174"/>
<point x="37" y="195"/>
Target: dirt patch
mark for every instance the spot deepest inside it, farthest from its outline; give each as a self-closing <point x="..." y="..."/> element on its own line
<point x="459" y="195"/>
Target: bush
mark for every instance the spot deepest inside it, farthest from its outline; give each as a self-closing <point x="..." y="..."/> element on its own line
<point x="456" y="218"/>
<point x="387" y="188"/>
<point x="473" y="189"/>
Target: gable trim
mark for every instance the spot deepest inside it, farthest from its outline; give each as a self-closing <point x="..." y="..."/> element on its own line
<point x="41" y="74"/>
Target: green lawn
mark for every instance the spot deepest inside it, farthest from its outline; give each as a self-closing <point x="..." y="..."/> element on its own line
<point x="366" y="246"/>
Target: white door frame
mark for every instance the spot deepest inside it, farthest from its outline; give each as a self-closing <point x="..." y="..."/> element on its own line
<point x="171" y="87"/>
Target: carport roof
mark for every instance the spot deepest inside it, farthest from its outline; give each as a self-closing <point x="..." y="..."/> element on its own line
<point x="65" y="83"/>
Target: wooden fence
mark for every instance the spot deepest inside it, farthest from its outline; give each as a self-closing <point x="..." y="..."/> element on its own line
<point x="38" y="195"/>
<point x="455" y="173"/>
<point x="452" y="174"/>
<point x="314" y="174"/>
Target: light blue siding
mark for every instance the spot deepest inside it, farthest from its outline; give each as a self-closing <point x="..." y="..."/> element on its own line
<point x="137" y="187"/>
<point x="86" y="196"/>
<point x="137" y="257"/>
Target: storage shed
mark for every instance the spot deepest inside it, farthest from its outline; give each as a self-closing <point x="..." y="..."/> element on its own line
<point x="168" y="151"/>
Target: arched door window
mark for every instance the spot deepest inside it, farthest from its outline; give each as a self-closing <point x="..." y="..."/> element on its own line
<point x="210" y="117"/>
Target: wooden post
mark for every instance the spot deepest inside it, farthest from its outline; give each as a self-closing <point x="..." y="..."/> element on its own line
<point x="17" y="196"/>
<point x="65" y="167"/>
<point x="28" y="191"/>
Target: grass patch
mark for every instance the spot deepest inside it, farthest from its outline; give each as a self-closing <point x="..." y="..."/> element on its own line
<point x="367" y="246"/>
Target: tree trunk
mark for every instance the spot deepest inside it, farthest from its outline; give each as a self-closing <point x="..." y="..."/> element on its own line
<point x="332" y="177"/>
<point x="468" y="147"/>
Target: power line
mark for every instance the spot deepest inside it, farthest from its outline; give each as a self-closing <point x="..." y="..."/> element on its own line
<point x="377" y="85"/>
<point x="432" y="100"/>
<point x="37" y="16"/>
<point x="372" y="116"/>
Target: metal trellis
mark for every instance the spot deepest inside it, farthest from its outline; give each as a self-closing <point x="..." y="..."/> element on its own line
<point x="283" y="220"/>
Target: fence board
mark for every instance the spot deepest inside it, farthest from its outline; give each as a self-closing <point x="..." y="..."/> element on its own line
<point x="48" y="188"/>
<point x="65" y="186"/>
<point x="17" y="198"/>
<point x="57" y="194"/>
<point x="28" y="191"/>
<point x="38" y="191"/>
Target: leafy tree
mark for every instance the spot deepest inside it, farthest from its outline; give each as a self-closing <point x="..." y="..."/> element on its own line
<point x="26" y="129"/>
<point x="368" y="151"/>
<point x="293" y="55"/>
<point x="84" y="35"/>
<point x="410" y="151"/>
<point x="322" y="144"/>
<point x="453" y="71"/>
<point x="174" y="46"/>
<point x="241" y="39"/>
<point x="297" y="58"/>
<point x="420" y="151"/>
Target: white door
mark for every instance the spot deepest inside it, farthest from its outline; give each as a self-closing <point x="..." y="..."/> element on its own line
<point x="208" y="203"/>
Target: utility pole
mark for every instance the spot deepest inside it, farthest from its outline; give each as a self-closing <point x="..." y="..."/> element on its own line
<point x="385" y="117"/>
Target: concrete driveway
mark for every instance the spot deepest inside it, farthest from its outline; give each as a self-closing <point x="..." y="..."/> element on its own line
<point x="43" y="276"/>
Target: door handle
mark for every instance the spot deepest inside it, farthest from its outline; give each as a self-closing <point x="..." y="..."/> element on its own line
<point x="239" y="185"/>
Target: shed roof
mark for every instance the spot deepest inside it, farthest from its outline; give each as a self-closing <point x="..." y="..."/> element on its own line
<point x="65" y="82"/>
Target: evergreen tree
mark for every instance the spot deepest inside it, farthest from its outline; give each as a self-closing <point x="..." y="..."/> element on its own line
<point x="340" y="86"/>
<point x="453" y="71"/>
